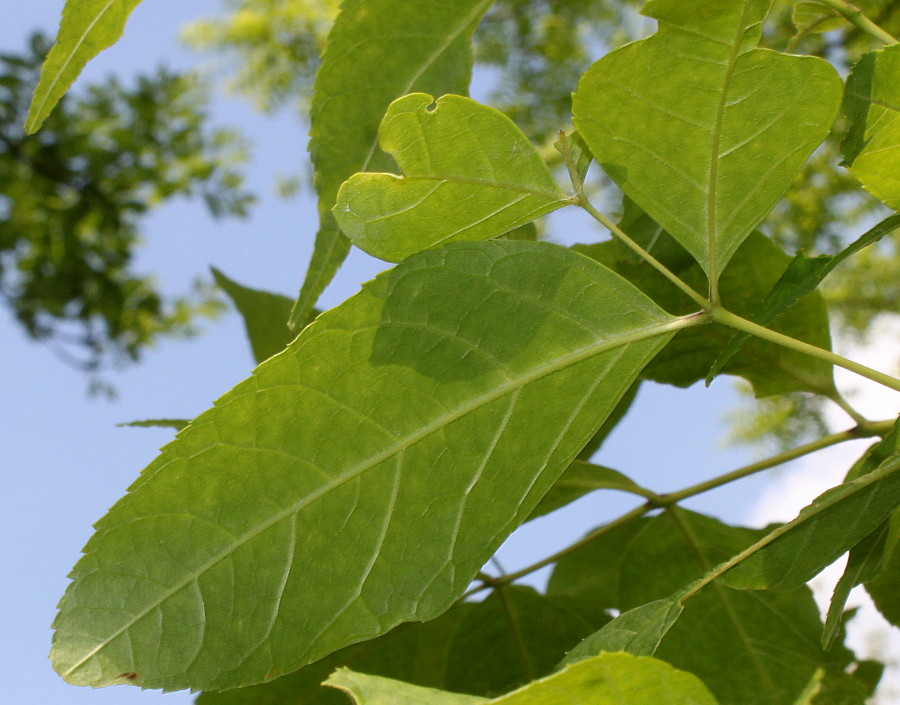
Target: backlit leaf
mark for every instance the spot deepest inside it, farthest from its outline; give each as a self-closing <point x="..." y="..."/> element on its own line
<point x="872" y="103"/>
<point x="701" y="128"/>
<point x="87" y="27"/>
<point x="362" y="477"/>
<point x="377" y="51"/>
<point x="468" y="174"/>
<point x="581" y="478"/>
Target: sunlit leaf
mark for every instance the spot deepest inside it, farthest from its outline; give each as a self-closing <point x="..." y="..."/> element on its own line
<point x="701" y="128"/>
<point x="377" y="51"/>
<point x="872" y="103"/>
<point x="453" y="152"/>
<point x="364" y="476"/>
<point x="87" y="27"/>
<point x="610" y="679"/>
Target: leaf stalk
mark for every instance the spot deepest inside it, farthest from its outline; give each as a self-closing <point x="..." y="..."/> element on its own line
<point x="858" y="19"/>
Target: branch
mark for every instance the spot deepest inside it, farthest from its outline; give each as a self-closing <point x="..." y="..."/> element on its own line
<point x="858" y="19"/>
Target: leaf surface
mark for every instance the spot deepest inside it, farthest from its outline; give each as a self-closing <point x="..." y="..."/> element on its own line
<point x="261" y="540"/>
<point x="610" y="679"/>
<point x="377" y="51"/>
<point x="872" y="104"/>
<point x="700" y="127"/>
<point x="884" y="589"/>
<point x="87" y="27"/>
<point x="468" y="174"/>
<point x="265" y="316"/>
<point x="582" y="478"/>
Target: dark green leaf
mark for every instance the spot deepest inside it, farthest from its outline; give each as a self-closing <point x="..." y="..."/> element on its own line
<point x="701" y="128"/>
<point x="265" y="316"/>
<point x="885" y="588"/>
<point x="263" y="539"/>
<point x="177" y="424"/>
<point x="451" y="151"/>
<point x="581" y="478"/>
<point x="409" y="47"/>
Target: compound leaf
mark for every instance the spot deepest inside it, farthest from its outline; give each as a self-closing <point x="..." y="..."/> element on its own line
<point x="377" y="51"/>
<point x="872" y="103"/>
<point x="701" y="128"/>
<point x="87" y="27"/>
<point x="609" y="679"/>
<point x="261" y="540"/>
<point x="454" y="151"/>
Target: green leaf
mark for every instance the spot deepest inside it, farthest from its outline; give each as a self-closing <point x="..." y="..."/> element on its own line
<point x="801" y="278"/>
<point x="701" y="128"/>
<point x="872" y="104"/>
<point x="863" y="564"/>
<point x="582" y="478"/>
<point x="265" y="316"/>
<point x="483" y="648"/>
<point x="578" y="151"/>
<point x="377" y="51"/>
<point x="610" y="679"/>
<point x="451" y="151"/>
<point x="884" y="589"/>
<point x="830" y="526"/>
<point x="177" y="424"/>
<point x="810" y="17"/>
<point x="299" y="515"/>
<point x="751" y="274"/>
<point x="87" y="27"/>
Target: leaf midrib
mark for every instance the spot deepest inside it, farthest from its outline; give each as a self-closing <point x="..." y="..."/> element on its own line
<point x="401" y="445"/>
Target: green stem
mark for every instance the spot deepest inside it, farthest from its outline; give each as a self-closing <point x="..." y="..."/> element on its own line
<point x="803" y="517"/>
<point x="858" y="19"/>
<point x="838" y="399"/>
<point x="725" y="317"/>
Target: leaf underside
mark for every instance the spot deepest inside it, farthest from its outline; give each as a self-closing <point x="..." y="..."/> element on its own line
<point x="261" y="540"/>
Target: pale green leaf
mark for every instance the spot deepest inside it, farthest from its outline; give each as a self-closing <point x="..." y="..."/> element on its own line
<point x="468" y="174"/>
<point x="265" y="316"/>
<point x="811" y="17"/>
<point x="825" y="529"/>
<point x="609" y="679"/>
<point x="364" y="476"/>
<point x="701" y="128"/>
<point x="377" y="51"/>
<point x="872" y="104"/>
<point x="87" y="27"/>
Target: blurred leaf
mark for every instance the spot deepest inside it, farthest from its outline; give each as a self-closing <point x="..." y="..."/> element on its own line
<point x="710" y="150"/>
<point x="265" y="518"/>
<point x="451" y="151"/>
<point x="177" y="424"/>
<point x="265" y="316"/>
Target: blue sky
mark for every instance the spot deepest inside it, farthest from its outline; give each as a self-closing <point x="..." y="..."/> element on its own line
<point x="65" y="461"/>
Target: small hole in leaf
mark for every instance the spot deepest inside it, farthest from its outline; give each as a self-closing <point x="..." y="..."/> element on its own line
<point x="128" y="676"/>
<point x="431" y="108"/>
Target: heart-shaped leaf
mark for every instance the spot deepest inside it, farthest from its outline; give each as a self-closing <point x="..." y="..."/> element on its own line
<point x="468" y="174"/>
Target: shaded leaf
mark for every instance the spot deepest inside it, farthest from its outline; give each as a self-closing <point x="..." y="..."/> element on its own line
<point x="177" y="424"/>
<point x="581" y="478"/>
<point x="710" y="150"/>
<point x="578" y="151"/>
<point x="871" y="148"/>
<point x="610" y="679"/>
<point x="827" y="528"/>
<point x="754" y="270"/>
<point x="262" y="540"/>
<point x="451" y="151"/>
<point x="884" y="589"/>
<point x="811" y="17"/>
<point x="87" y="27"/>
<point x="410" y="47"/>
<point x="801" y="278"/>
<point x="265" y="316"/>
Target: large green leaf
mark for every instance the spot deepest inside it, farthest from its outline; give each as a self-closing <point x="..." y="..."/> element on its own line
<point x="265" y="316"/>
<point x="362" y="477"/>
<point x="751" y="274"/>
<point x="87" y="28"/>
<point x="701" y="128"/>
<point x="872" y="103"/>
<point x="610" y="679"/>
<point x="884" y="589"/>
<point x="828" y="527"/>
<point x="377" y="51"/>
<point x="453" y="151"/>
<point x="483" y="648"/>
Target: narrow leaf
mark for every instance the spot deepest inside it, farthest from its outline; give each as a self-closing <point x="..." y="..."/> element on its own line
<point x="610" y="679"/>
<point x="377" y="51"/>
<point x="87" y="28"/>
<point x="833" y="524"/>
<point x="872" y="104"/>
<point x="453" y="151"/>
<point x="265" y="316"/>
<point x="262" y="539"/>
<point x="582" y="478"/>
<point x="701" y="128"/>
<point x="177" y="424"/>
<point x="801" y="278"/>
